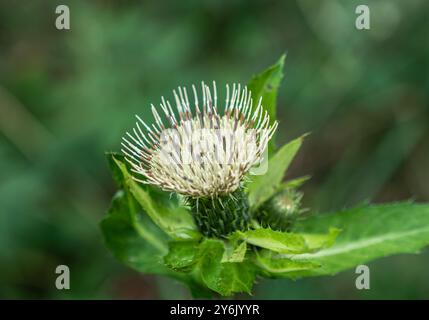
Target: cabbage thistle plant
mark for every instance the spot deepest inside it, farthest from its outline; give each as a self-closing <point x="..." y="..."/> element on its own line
<point x="202" y="199"/>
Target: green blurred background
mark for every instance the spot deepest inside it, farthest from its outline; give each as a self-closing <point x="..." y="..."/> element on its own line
<point x="68" y="96"/>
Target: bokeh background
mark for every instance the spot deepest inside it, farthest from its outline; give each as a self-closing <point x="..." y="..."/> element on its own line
<point x="68" y="96"/>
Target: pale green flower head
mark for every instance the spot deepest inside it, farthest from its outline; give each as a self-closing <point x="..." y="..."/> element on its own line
<point x="199" y="150"/>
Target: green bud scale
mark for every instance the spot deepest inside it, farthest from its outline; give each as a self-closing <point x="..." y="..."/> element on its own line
<point x="217" y="217"/>
<point x="281" y="211"/>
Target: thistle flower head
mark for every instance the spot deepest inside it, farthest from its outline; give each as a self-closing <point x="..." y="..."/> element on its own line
<point x="199" y="150"/>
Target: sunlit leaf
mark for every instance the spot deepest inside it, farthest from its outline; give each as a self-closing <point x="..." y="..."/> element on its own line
<point x="234" y="252"/>
<point x="182" y="255"/>
<point x="262" y="187"/>
<point x="271" y="265"/>
<point x="275" y="240"/>
<point x="135" y="242"/>
<point x="316" y="241"/>
<point x="295" y="183"/>
<point x="175" y="221"/>
<point x="225" y="278"/>
<point x="368" y="232"/>
<point x="266" y="85"/>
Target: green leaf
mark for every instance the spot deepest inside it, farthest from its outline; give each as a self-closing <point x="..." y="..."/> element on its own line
<point x="368" y="232"/>
<point x="182" y="255"/>
<point x="133" y="241"/>
<point x="224" y="278"/>
<point x="114" y="168"/>
<point x="273" y="266"/>
<point x="275" y="240"/>
<point x="295" y="183"/>
<point x="318" y="241"/>
<point x="262" y="187"/>
<point x="234" y="252"/>
<point x="136" y="241"/>
<point x="174" y="220"/>
<point x="217" y="264"/>
<point x="266" y="85"/>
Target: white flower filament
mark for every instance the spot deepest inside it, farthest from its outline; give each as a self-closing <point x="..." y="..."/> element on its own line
<point x="200" y="154"/>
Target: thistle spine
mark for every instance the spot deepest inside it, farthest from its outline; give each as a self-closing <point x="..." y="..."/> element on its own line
<point x="217" y="217"/>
